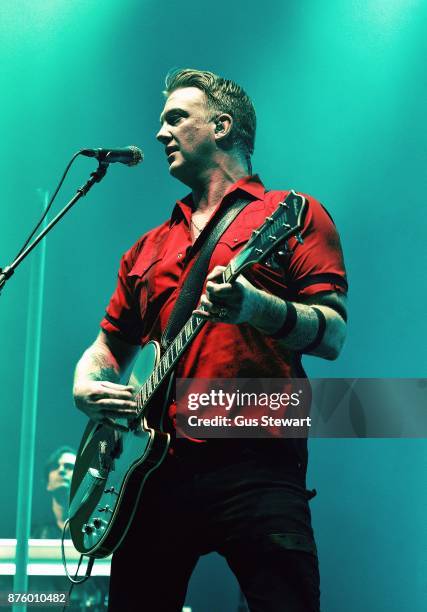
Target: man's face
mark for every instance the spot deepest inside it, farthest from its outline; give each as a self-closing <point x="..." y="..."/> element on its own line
<point x="187" y="133"/>
<point x="61" y="474"/>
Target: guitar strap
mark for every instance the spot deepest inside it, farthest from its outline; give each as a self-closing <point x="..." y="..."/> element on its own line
<point x="191" y="289"/>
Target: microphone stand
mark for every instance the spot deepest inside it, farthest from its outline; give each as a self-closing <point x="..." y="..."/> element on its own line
<point x="95" y="177"/>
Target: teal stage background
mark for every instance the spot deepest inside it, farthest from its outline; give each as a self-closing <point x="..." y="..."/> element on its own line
<point x="340" y="92"/>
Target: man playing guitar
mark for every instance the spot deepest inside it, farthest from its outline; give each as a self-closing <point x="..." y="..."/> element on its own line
<point x="245" y="499"/>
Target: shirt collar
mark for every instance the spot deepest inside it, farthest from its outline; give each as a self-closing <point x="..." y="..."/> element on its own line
<point x="251" y="185"/>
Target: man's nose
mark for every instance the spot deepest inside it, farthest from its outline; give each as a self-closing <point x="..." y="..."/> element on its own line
<point x="163" y="135"/>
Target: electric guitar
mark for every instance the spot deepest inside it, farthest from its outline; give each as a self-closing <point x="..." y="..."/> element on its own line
<point x="112" y="466"/>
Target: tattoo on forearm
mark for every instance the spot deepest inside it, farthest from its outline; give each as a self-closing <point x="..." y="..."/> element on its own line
<point x="97" y="365"/>
<point x="273" y="315"/>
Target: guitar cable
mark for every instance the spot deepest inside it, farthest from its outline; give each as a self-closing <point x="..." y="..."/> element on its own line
<point x="74" y="579"/>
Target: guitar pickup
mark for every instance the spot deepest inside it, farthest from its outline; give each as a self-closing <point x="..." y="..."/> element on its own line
<point x="90" y="482"/>
<point x="118" y="446"/>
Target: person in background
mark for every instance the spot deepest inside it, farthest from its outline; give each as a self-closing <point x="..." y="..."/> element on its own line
<point x="58" y="473"/>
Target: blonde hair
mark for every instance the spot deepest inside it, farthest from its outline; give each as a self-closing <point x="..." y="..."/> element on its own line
<point x="223" y="96"/>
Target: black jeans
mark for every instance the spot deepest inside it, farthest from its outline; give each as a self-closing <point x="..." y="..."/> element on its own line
<point x="252" y="510"/>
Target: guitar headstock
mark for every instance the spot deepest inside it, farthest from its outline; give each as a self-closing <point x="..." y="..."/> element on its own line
<point x="285" y="222"/>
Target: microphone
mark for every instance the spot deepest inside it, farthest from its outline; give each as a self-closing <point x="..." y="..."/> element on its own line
<point x="131" y="156"/>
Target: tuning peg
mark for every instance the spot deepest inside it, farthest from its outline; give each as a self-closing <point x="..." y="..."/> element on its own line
<point x="259" y="251"/>
<point x="286" y="225"/>
<point x="269" y="219"/>
<point x="284" y="204"/>
<point x="255" y="232"/>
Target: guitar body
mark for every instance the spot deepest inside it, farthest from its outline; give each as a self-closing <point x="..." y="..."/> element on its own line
<point x="112" y="467"/>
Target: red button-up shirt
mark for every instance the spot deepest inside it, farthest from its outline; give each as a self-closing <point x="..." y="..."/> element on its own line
<point x="153" y="271"/>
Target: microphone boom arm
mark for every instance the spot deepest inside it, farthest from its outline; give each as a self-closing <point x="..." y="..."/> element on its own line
<point x="95" y="177"/>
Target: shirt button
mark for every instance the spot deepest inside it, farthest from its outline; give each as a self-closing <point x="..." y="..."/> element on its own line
<point x="234" y="239"/>
<point x="179" y="255"/>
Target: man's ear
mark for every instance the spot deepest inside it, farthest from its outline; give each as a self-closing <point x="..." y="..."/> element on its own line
<point x="223" y="126"/>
